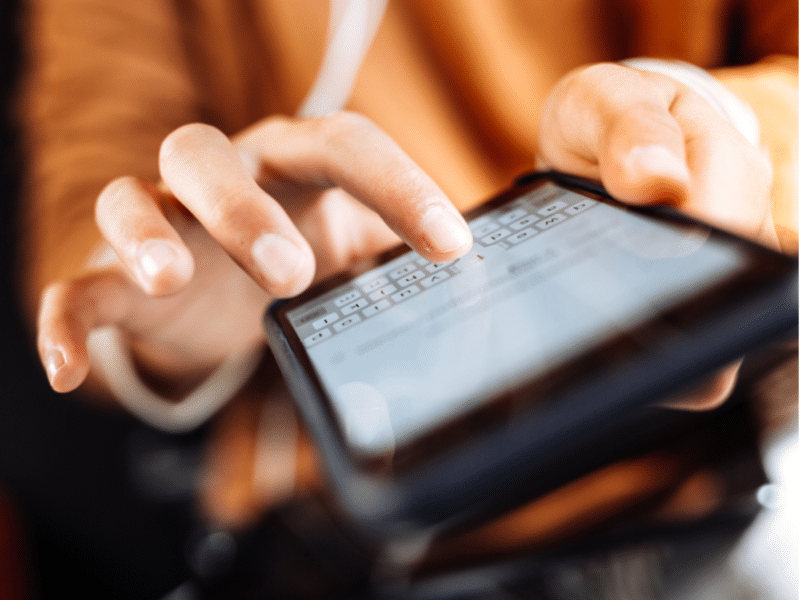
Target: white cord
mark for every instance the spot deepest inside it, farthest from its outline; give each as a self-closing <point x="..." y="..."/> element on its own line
<point x="110" y="354"/>
<point x="351" y="28"/>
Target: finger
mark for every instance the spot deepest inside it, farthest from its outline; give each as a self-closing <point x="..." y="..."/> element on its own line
<point x="731" y="179"/>
<point x="133" y="223"/>
<point x="206" y="174"/>
<point x="614" y="123"/>
<point x="68" y="312"/>
<point x="711" y="393"/>
<point x="651" y="139"/>
<point x="348" y="151"/>
<point x="341" y="229"/>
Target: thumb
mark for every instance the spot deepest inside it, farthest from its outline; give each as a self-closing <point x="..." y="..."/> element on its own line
<point x="614" y="123"/>
<point x="68" y="312"/>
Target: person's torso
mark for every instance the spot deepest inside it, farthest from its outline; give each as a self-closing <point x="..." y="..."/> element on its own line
<point x="458" y="84"/>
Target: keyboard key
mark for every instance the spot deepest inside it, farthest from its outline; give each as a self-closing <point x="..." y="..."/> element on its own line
<point x="404" y="270"/>
<point x="326" y="320"/>
<point x="552" y="208"/>
<point x="354" y="306"/>
<point x="512" y="216"/>
<point x="409" y="279"/>
<point x="382" y="293"/>
<point x="347" y="322"/>
<point x="485" y="229"/>
<point x="496" y="236"/>
<point x="433" y="267"/>
<point x="579" y="207"/>
<point x="405" y="293"/>
<point x="373" y="285"/>
<point x="376" y="308"/>
<point x="347" y="298"/>
<point x="311" y="316"/>
<point x="523" y="223"/>
<point x="550" y="221"/>
<point x="317" y="337"/>
<point x="435" y="278"/>
<point x="480" y="221"/>
<point x="522" y="235"/>
<point x="474" y="257"/>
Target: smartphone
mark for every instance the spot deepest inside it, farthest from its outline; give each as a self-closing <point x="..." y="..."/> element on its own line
<point x="443" y="393"/>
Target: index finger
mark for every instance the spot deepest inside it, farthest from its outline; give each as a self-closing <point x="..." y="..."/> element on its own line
<point x="205" y="173"/>
<point x="348" y="151"/>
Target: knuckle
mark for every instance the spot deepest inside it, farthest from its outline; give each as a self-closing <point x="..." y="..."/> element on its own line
<point x="593" y="78"/>
<point x="54" y="304"/>
<point x="185" y="136"/>
<point x="121" y="185"/>
<point x="647" y="119"/>
<point x="343" y="126"/>
<point x="73" y="297"/>
<point x="113" y="191"/>
<point x="610" y="87"/>
<point x="599" y="72"/>
<point x="337" y="135"/>
<point x="580" y="92"/>
<point x="229" y="210"/>
<point x="50" y="295"/>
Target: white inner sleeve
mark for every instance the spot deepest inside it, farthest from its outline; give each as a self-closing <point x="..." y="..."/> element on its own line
<point x="351" y="29"/>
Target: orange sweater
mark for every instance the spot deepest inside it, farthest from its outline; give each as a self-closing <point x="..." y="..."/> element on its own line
<point x="458" y="84"/>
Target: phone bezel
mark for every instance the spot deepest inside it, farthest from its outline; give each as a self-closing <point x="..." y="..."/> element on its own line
<point x="436" y="488"/>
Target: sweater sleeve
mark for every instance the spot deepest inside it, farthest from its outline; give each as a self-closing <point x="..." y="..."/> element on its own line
<point x="764" y="45"/>
<point x="106" y="82"/>
<point x="770" y="87"/>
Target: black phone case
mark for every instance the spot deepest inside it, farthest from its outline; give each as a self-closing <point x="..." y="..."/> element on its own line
<point x="584" y="428"/>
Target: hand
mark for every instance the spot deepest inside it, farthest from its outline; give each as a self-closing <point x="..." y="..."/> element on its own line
<point x="650" y="140"/>
<point x="232" y="224"/>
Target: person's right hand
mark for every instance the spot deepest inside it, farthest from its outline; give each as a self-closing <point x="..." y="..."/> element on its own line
<point x="651" y="140"/>
<point x="232" y="224"/>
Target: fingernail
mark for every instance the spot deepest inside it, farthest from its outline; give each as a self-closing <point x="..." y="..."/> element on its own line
<point x="443" y="231"/>
<point x="656" y="159"/>
<point x="54" y="359"/>
<point x="277" y="258"/>
<point x="154" y="256"/>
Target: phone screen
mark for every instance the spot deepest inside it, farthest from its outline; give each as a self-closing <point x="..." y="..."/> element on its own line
<point x="412" y="345"/>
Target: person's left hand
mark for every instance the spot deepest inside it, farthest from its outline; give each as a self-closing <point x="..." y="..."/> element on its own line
<point x="233" y="224"/>
<point x="651" y="140"/>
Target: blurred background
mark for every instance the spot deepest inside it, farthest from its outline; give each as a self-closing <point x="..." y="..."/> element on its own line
<point x="67" y="517"/>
